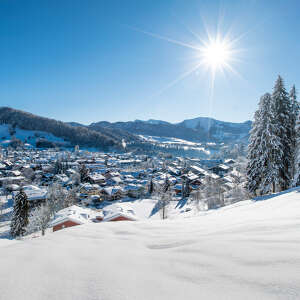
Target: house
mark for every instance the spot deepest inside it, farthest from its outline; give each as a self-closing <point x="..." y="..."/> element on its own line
<point x="220" y="170"/>
<point x="173" y="171"/>
<point x="14" y="173"/>
<point x="198" y="171"/>
<point x="177" y="189"/>
<point x="110" y="174"/>
<point x="12" y="187"/>
<point x="229" y="161"/>
<point x="196" y="182"/>
<point x="87" y="189"/>
<point x="8" y="164"/>
<point x="114" y="181"/>
<point x="190" y="176"/>
<point x="119" y="216"/>
<point x="11" y="180"/>
<point x="62" y="179"/>
<point x="112" y="193"/>
<point x="99" y="217"/>
<point x="92" y="199"/>
<point x="96" y="178"/>
<point x="35" y="195"/>
<point x="71" y="216"/>
<point x="134" y="190"/>
<point x="2" y="166"/>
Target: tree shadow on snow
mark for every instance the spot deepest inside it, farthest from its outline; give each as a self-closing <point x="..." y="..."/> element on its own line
<point x="155" y="209"/>
<point x="267" y="197"/>
<point x="181" y="203"/>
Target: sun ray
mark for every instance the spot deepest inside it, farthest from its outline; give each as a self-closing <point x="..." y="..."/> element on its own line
<point x="161" y="37"/>
<point x="179" y="78"/>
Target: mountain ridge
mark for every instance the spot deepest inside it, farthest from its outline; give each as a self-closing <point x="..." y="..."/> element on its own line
<point x="105" y="134"/>
<point x="82" y="135"/>
<point x="201" y="129"/>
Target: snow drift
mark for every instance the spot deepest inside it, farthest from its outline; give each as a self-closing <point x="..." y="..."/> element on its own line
<point x="249" y="250"/>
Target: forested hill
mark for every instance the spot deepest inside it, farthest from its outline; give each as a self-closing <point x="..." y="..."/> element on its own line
<point x="79" y="135"/>
<point x="197" y="130"/>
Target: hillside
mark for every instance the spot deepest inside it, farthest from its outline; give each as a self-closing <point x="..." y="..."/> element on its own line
<point x="152" y="129"/>
<point x="249" y="250"/>
<point x="68" y="134"/>
<point x="197" y="130"/>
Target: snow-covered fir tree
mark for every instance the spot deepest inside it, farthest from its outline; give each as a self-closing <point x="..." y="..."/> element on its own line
<point x="254" y="163"/>
<point x="264" y="150"/>
<point x="187" y="188"/>
<point x="151" y="187"/>
<point x="296" y="180"/>
<point x="84" y="172"/>
<point x="272" y="141"/>
<point x="281" y="108"/>
<point x="271" y="148"/>
<point x="166" y="185"/>
<point x="19" y="219"/>
<point x="293" y="119"/>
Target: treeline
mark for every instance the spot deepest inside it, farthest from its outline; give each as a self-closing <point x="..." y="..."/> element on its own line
<point x="82" y="136"/>
<point x="273" y="163"/>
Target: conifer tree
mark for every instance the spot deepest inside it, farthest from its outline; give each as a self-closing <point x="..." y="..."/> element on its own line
<point x="281" y="109"/>
<point x="293" y="119"/>
<point x="264" y="150"/>
<point x="254" y="164"/>
<point x="294" y="107"/>
<point x="151" y="187"/>
<point x="19" y="220"/>
<point x="183" y="189"/>
<point x="166" y="185"/>
<point x="270" y="148"/>
<point x="187" y="188"/>
<point x="296" y="180"/>
<point x="83" y="171"/>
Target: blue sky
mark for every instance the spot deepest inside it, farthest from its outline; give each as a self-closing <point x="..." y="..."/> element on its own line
<point x="84" y="61"/>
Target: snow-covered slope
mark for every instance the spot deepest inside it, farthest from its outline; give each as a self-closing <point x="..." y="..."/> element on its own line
<point x="203" y="122"/>
<point x="83" y="136"/>
<point x="250" y="250"/>
<point x="28" y="136"/>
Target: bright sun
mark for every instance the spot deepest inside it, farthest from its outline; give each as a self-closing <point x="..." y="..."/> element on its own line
<point x="216" y="54"/>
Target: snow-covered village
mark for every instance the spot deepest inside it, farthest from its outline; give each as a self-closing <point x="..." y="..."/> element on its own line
<point x="68" y="188"/>
<point x="149" y="150"/>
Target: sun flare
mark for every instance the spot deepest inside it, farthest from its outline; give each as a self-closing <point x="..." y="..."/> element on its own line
<point x="216" y="54"/>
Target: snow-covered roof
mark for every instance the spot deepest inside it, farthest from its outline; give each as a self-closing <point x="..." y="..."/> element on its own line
<point x="198" y="169"/>
<point x="213" y="175"/>
<point x="119" y="212"/>
<point x="116" y="179"/>
<point x="73" y="213"/>
<point x="34" y="192"/>
<point x="229" y="161"/>
<point x="96" y="176"/>
<point x="12" y="178"/>
<point x="223" y="167"/>
<point x="89" y="186"/>
<point x="132" y="187"/>
<point x="15" y="172"/>
<point x="111" y="190"/>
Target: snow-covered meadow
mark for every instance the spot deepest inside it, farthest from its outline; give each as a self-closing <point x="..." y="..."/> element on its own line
<point x="249" y="250"/>
<point x="29" y="136"/>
